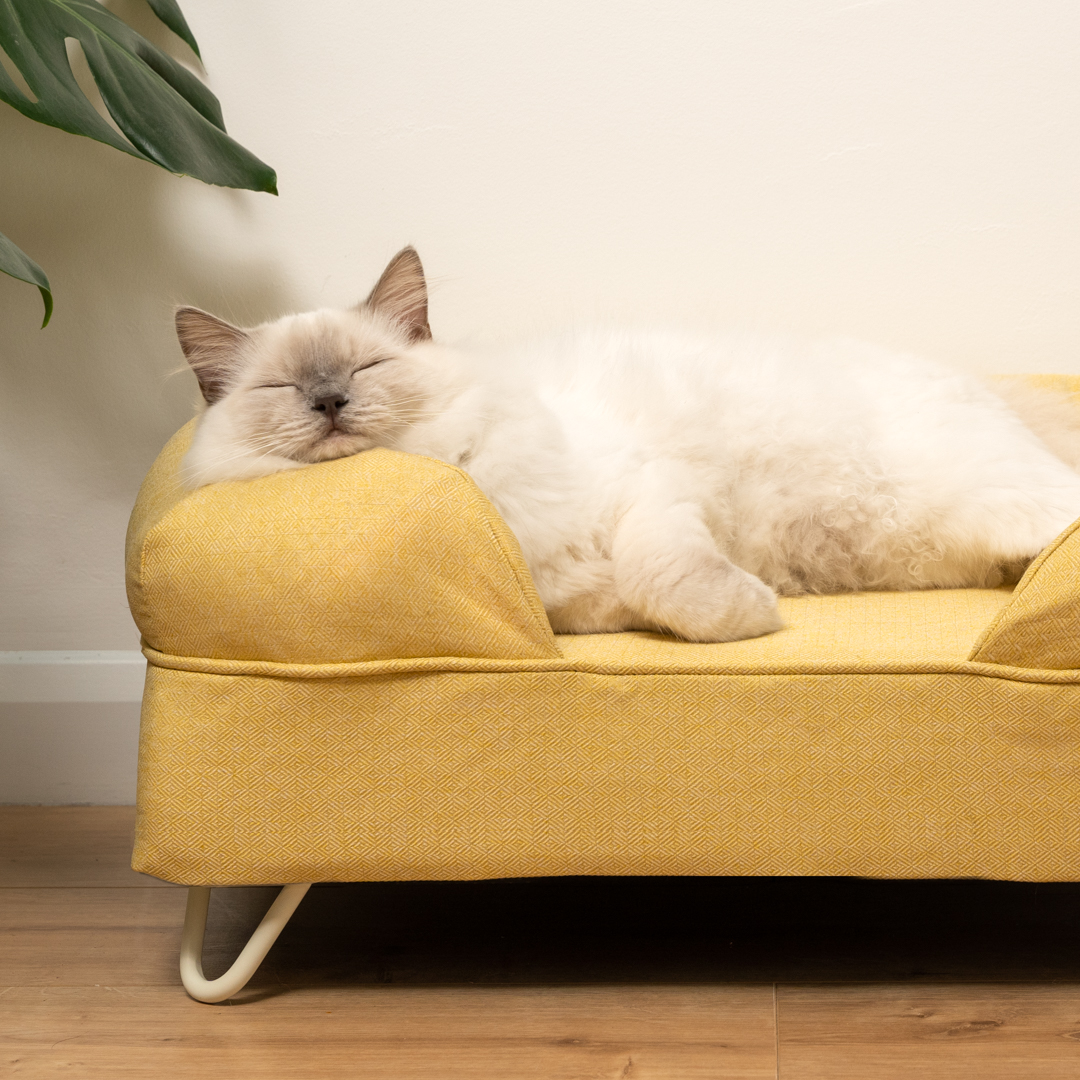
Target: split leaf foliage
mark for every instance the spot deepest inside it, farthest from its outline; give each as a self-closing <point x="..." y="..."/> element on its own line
<point x="165" y="113"/>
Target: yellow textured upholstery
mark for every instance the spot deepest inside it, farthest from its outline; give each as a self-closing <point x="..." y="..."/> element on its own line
<point x="1040" y="627"/>
<point x="250" y="779"/>
<point x="370" y="557"/>
<point x="351" y="679"/>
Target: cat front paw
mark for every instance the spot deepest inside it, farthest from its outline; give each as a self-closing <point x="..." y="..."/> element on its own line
<point x="756" y="612"/>
<point x="670" y="573"/>
<point x="708" y="600"/>
<point x="739" y="606"/>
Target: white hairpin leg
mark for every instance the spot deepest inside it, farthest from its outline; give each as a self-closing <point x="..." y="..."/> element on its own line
<point x="251" y="956"/>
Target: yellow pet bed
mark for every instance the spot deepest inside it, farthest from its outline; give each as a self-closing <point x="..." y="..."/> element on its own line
<point x="351" y="678"/>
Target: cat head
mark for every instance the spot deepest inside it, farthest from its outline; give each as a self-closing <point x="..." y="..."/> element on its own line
<point x="309" y="387"/>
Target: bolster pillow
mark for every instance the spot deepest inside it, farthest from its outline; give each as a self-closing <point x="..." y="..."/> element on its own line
<point x="372" y="557"/>
<point x="1040" y="626"/>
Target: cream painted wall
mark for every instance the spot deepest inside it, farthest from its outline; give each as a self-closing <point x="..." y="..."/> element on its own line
<point x="905" y="171"/>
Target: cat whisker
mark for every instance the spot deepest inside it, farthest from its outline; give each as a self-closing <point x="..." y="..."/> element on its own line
<point x="248" y="452"/>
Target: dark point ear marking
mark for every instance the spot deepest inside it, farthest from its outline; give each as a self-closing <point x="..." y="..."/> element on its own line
<point x="212" y="347"/>
<point x="401" y="293"/>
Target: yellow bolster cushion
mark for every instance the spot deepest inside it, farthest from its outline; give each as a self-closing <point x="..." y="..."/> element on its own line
<point x="1040" y="625"/>
<point x="371" y="557"/>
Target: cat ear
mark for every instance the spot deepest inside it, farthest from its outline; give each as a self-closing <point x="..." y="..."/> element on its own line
<point x="401" y="293"/>
<point x="212" y="347"/>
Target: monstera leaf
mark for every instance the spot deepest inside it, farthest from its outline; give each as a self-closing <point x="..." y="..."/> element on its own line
<point x="166" y="114"/>
<point x="19" y="265"/>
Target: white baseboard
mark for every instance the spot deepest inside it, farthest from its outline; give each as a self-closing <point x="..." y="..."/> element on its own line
<point x="69" y="726"/>
<point x="74" y="675"/>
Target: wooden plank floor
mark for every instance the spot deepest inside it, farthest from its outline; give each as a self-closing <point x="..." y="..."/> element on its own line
<point x="546" y="980"/>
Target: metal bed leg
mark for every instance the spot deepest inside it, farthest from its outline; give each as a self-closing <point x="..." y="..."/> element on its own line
<point x="251" y="956"/>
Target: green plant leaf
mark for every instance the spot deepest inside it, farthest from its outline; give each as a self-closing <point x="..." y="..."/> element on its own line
<point x="168" y="11"/>
<point x="167" y="115"/>
<point x="19" y="265"/>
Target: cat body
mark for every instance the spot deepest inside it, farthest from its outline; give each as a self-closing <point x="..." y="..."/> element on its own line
<point x="656" y="481"/>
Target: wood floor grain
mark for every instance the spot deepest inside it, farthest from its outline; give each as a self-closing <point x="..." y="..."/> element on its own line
<point x="553" y="979"/>
<point x="69" y="845"/>
<point x="80" y="937"/>
<point x="391" y="1033"/>
<point x="890" y="1032"/>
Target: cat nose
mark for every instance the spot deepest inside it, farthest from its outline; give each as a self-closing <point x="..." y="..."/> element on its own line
<point x="330" y="405"/>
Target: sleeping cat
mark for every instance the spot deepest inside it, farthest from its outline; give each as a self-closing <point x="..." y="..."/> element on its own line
<point x="654" y="481"/>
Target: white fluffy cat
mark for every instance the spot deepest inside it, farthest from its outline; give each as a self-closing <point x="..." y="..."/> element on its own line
<point x="654" y="481"/>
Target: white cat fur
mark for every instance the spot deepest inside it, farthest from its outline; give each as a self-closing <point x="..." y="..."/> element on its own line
<point x="657" y="481"/>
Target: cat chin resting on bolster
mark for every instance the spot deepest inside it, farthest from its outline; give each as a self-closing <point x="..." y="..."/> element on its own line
<point x="659" y="482"/>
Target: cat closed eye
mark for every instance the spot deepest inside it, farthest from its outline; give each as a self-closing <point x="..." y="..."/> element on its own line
<point x="277" y="386"/>
<point x="364" y="367"/>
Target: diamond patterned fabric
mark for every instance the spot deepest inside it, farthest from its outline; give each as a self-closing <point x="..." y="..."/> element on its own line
<point x="455" y="775"/>
<point x="375" y="556"/>
<point x="1040" y="627"/>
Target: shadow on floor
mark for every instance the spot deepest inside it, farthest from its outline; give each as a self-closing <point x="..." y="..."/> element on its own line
<point x="576" y="931"/>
